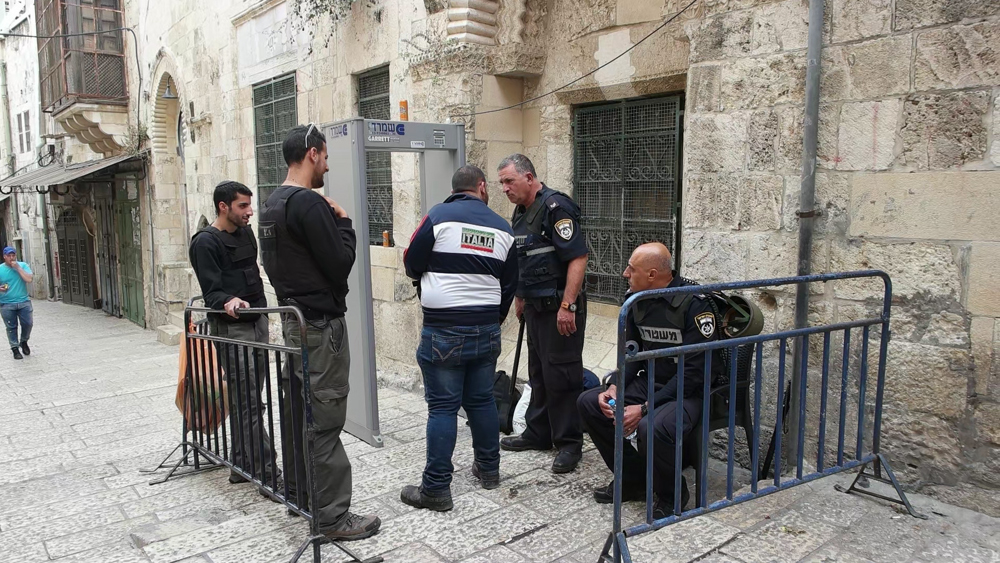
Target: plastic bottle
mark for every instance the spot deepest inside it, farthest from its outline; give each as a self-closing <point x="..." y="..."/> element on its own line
<point x="630" y="437"/>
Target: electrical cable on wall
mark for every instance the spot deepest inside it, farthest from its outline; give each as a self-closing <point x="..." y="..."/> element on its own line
<point x="574" y="81"/>
<point x="138" y="70"/>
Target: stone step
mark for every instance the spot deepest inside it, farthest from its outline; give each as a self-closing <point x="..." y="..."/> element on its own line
<point x="169" y="334"/>
<point x="177" y="319"/>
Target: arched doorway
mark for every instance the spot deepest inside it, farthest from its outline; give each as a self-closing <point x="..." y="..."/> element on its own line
<point x="168" y="188"/>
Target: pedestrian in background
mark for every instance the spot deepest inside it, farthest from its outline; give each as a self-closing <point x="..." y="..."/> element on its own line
<point x="224" y="258"/>
<point x="463" y="254"/>
<point x="15" y="305"/>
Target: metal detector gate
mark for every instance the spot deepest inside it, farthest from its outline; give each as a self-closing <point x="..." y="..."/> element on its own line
<point x="441" y="150"/>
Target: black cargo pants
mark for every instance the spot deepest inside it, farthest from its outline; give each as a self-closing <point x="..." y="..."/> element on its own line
<point x="329" y="366"/>
<point x="246" y="379"/>
<point x="555" y="373"/>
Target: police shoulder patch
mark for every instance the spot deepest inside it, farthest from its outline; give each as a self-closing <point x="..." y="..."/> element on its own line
<point x="564" y="227"/>
<point x="706" y="324"/>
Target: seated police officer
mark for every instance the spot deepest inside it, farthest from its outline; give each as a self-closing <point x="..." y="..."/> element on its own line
<point x="653" y="324"/>
<point x="224" y="257"/>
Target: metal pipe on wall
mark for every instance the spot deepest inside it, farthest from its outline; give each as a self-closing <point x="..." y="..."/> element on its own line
<point x="807" y="212"/>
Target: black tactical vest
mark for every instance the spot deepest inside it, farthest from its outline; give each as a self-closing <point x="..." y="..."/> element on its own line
<point x="541" y="273"/>
<point x="661" y="322"/>
<point x="242" y="278"/>
<point x="289" y="265"/>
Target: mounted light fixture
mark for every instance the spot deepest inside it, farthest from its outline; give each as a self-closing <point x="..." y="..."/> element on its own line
<point x="169" y="94"/>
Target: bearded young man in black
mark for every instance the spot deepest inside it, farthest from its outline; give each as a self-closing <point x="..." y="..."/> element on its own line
<point x="224" y="258"/>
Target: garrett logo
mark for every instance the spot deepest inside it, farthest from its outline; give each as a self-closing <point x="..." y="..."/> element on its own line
<point x="477" y="240"/>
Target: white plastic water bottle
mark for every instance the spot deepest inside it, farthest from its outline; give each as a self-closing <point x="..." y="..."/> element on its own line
<point x="631" y="437"/>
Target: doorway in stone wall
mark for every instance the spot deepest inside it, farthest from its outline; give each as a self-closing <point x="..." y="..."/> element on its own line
<point x="128" y="227"/>
<point x="76" y="248"/>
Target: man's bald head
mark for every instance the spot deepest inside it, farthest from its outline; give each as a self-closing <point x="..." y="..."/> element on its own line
<point x="649" y="267"/>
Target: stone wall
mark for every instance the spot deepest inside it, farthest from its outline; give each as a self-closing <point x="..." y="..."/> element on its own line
<point x="907" y="161"/>
<point x="907" y="170"/>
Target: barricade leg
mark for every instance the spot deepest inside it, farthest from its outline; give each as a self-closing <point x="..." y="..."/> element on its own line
<point x="881" y="463"/>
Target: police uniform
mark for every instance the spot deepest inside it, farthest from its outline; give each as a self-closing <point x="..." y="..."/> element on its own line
<point x="652" y="325"/>
<point x="548" y="237"/>
<point x="226" y="266"/>
<point x="308" y="254"/>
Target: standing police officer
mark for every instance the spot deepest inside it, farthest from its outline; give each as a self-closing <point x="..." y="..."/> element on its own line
<point x="552" y="260"/>
<point x="308" y="247"/>
<point x="654" y="324"/>
<point x="224" y="258"/>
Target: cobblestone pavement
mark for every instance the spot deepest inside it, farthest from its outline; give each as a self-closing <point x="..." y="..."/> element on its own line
<point x="95" y="403"/>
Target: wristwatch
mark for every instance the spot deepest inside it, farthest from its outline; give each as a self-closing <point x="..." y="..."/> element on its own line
<point x="571" y="307"/>
<point x="643" y="409"/>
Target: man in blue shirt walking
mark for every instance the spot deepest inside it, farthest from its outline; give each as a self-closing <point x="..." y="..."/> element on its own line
<point x="15" y="306"/>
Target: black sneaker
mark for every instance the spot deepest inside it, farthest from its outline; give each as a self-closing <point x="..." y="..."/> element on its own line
<point x="665" y="507"/>
<point x="17" y="353"/>
<point x="566" y="461"/>
<point x="355" y="527"/>
<point x="520" y="444"/>
<point x="606" y="495"/>
<point x="415" y="497"/>
<point x="25" y="349"/>
<point x="488" y="480"/>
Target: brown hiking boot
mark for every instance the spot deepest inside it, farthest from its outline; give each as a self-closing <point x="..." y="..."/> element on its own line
<point x="354" y="527"/>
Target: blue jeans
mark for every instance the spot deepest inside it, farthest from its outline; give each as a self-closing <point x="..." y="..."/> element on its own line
<point x="459" y="367"/>
<point x="12" y="313"/>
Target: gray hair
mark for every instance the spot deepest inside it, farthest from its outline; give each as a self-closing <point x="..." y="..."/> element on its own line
<point x="521" y="163"/>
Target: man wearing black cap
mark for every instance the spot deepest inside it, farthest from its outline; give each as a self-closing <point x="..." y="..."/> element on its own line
<point x="224" y="257"/>
<point x="15" y="305"/>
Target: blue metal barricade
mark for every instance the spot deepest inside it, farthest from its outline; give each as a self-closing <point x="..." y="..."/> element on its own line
<point x="230" y="378"/>
<point x="616" y="547"/>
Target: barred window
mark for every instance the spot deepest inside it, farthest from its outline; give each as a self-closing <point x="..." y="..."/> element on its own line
<point x="80" y="67"/>
<point x="274" y="115"/>
<point x="373" y="103"/>
<point x="626" y="179"/>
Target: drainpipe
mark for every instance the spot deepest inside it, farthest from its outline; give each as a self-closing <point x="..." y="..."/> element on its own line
<point x="6" y="109"/>
<point x="806" y="214"/>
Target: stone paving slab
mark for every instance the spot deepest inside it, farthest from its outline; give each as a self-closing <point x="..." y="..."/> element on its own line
<point x="94" y="405"/>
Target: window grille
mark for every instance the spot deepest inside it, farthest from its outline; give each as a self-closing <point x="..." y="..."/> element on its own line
<point x="275" y="114"/>
<point x="80" y="67"/>
<point x="373" y="103"/>
<point x="626" y="179"/>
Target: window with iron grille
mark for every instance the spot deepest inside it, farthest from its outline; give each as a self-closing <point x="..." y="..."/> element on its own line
<point x="626" y="179"/>
<point x="274" y="115"/>
<point x="373" y="103"/>
<point x="81" y="67"/>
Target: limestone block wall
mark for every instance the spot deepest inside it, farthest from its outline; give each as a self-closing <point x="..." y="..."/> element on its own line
<point x="907" y="166"/>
